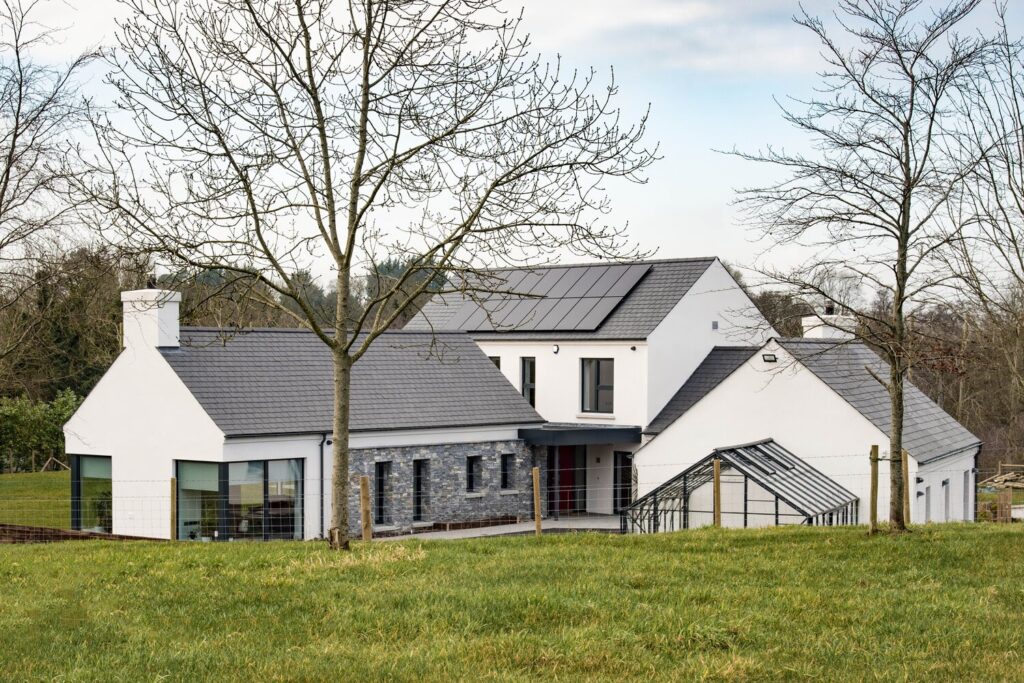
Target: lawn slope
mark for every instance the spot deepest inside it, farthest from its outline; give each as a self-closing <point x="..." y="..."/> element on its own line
<point x="938" y="604"/>
<point x="36" y="499"/>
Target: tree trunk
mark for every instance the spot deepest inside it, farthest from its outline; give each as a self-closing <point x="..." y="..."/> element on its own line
<point x="338" y="534"/>
<point x="896" y="485"/>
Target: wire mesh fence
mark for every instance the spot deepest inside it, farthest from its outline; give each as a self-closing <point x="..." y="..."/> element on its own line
<point x="275" y="501"/>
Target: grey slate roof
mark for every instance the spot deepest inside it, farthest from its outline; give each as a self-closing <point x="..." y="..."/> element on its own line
<point x="279" y="381"/>
<point x="719" y="364"/>
<point x="638" y="313"/>
<point x="929" y="432"/>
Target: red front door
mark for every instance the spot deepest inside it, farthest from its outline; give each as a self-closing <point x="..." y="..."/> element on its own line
<point x="566" y="478"/>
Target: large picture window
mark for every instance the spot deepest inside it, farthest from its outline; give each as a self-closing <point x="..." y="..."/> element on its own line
<point x="598" y="384"/>
<point x="252" y="500"/>
<point x="92" y="505"/>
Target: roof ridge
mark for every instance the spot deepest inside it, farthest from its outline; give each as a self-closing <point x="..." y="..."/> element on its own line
<point x="608" y="262"/>
<point x="306" y="330"/>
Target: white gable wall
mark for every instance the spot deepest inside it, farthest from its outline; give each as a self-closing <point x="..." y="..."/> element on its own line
<point x="686" y="336"/>
<point x="142" y="416"/>
<point x="783" y="401"/>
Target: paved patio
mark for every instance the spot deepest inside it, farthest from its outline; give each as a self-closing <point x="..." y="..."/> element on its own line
<point x="608" y="524"/>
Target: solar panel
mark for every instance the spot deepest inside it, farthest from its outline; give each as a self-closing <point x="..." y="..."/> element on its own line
<point x="571" y="298"/>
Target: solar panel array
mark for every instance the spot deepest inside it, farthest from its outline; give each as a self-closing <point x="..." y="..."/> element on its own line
<point x="560" y="299"/>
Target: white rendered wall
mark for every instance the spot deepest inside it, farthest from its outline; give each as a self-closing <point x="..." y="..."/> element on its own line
<point x="932" y="474"/>
<point x="559" y="376"/>
<point x="782" y="401"/>
<point x="601" y="476"/>
<point x="141" y="415"/>
<point x="686" y="335"/>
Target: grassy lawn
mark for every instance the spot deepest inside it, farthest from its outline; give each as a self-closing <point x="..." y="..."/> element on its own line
<point x="731" y="605"/>
<point x="36" y="499"/>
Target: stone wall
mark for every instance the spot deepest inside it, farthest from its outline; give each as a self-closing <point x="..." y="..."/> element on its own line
<point x="448" y="501"/>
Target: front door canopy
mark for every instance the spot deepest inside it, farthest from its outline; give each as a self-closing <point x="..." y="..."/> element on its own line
<point x="567" y="434"/>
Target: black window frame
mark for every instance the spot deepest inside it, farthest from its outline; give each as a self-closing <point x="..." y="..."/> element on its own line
<point x="508" y="469"/>
<point x="474" y="473"/>
<point x="596" y="386"/>
<point x="420" y="489"/>
<point x="223" y="533"/>
<point x="382" y="473"/>
<point x="76" y="489"/>
<point x="528" y="383"/>
<point x="496" y="360"/>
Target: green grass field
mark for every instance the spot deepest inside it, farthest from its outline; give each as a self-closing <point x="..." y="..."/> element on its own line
<point x="795" y="604"/>
<point x="36" y="499"/>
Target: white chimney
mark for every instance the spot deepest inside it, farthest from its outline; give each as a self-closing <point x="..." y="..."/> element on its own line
<point x="829" y="326"/>
<point x="150" y="318"/>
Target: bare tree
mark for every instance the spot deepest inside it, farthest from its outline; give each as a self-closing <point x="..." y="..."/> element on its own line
<point x="40" y="107"/>
<point x="871" y="198"/>
<point x="990" y="263"/>
<point x="257" y="136"/>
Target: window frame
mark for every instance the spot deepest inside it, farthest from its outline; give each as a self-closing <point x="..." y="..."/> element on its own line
<point x="420" y="489"/>
<point x="597" y="386"/>
<point x="496" y="360"/>
<point x="223" y="479"/>
<point x="508" y="468"/>
<point x="474" y="473"/>
<point x="383" y="470"/>
<point x="76" y="488"/>
<point x="528" y="388"/>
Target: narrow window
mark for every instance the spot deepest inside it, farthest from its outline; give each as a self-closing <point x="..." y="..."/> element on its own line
<point x="496" y="360"/>
<point x="92" y="506"/>
<point x="968" y="512"/>
<point x="473" y="474"/>
<point x="598" y="385"/>
<point x="945" y="500"/>
<point x="927" y="504"/>
<point x="508" y="464"/>
<point x="420" y="489"/>
<point x="528" y="371"/>
<point x="382" y="493"/>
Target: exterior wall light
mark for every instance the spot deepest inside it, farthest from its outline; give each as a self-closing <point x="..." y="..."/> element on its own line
<point x="769" y="357"/>
<point x="554" y="349"/>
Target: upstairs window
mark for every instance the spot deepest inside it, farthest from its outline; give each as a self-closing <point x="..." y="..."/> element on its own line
<point x="528" y="371"/>
<point x="598" y="385"/>
<point x="496" y="360"/>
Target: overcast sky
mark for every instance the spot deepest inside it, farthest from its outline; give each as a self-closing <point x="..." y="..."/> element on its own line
<point x="709" y="70"/>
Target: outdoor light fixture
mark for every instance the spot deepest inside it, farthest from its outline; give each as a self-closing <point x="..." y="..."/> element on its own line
<point x="768" y="357"/>
<point x="554" y="349"/>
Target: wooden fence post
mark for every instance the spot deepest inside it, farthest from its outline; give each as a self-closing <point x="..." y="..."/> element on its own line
<point x="718" y="492"/>
<point x="873" y="528"/>
<point x="536" y="500"/>
<point x="174" y="508"/>
<point x="906" y="486"/>
<point x="364" y="507"/>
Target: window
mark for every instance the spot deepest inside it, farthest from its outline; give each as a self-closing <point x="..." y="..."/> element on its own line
<point x="927" y="504"/>
<point x="496" y="360"/>
<point x="251" y="500"/>
<point x="508" y="466"/>
<point x="528" y="373"/>
<point x="92" y="507"/>
<point x="474" y="474"/>
<point x="598" y="385"/>
<point x="420" y="489"/>
<point x="382" y="493"/>
<point x="968" y="512"/>
<point x="945" y="500"/>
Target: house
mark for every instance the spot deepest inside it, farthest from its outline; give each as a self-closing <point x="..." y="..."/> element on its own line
<point x="199" y="433"/>
<point x="599" y="349"/>
<point x="624" y="383"/>
<point x="819" y="397"/>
